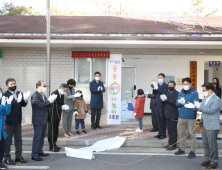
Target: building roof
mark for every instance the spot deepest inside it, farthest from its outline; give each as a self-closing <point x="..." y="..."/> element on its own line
<point x="112" y="28"/>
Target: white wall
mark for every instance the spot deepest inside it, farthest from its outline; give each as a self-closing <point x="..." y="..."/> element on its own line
<point x="147" y="70"/>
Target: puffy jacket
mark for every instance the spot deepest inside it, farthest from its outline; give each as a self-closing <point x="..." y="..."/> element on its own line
<point x="80" y="106"/>
<point x="139" y="106"/>
<point x="190" y="97"/>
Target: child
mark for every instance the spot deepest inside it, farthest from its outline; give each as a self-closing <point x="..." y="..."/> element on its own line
<point x="139" y="108"/>
<point x="80" y="112"/>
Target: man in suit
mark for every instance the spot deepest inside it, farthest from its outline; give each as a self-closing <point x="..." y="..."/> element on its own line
<point x="159" y="89"/>
<point x="96" y="104"/>
<point x="55" y="117"/>
<point x="13" y="122"/>
<point x="40" y="106"/>
<point x="210" y="108"/>
<point x="171" y="114"/>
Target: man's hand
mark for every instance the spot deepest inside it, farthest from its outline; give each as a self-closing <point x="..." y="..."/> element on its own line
<point x="65" y="107"/>
<point x="99" y="88"/>
<point x="9" y="100"/>
<point x="52" y="98"/>
<point x="77" y="94"/>
<point x="87" y="113"/>
<point x="189" y="106"/>
<point x="155" y="85"/>
<point x="197" y="104"/>
<point x="26" y="95"/>
<point x="163" y="97"/>
<point x="19" y="98"/>
<point x="182" y="101"/>
<point x="147" y="93"/>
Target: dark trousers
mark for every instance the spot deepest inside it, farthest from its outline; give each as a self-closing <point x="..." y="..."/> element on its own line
<point x="161" y="120"/>
<point x="95" y="114"/>
<point x="172" y="131"/>
<point x="209" y="140"/>
<point x="38" y="139"/>
<point x="154" y="121"/>
<point x="53" y="132"/>
<point x="80" y="121"/>
<point x="2" y="147"/>
<point x="14" y="130"/>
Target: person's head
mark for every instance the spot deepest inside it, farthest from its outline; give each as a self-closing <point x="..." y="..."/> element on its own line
<point x="79" y="91"/>
<point x="161" y="78"/>
<point x="41" y="86"/>
<point x="171" y="85"/>
<point x="63" y="88"/>
<point x="216" y="83"/>
<point x="97" y="76"/>
<point x="11" y="84"/>
<point x="208" y="89"/>
<point x="1" y="93"/>
<point x="186" y="84"/>
<point x="71" y="83"/>
<point x="140" y="92"/>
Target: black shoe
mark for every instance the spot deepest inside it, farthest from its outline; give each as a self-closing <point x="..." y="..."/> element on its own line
<point x="99" y="127"/>
<point x="2" y="166"/>
<point x="212" y="166"/>
<point x="154" y="130"/>
<point x="77" y="132"/>
<point x="191" y="155"/>
<point x="37" y="159"/>
<point x="9" y="162"/>
<point x="93" y="127"/>
<point x="84" y="132"/>
<point x="22" y="160"/>
<point x="179" y="152"/>
<point x="162" y="137"/>
<point x="43" y="154"/>
<point x="171" y="148"/>
<point x="54" y="150"/>
<point x="205" y="163"/>
<point x="167" y="146"/>
<point x="55" y="146"/>
<point x="157" y="136"/>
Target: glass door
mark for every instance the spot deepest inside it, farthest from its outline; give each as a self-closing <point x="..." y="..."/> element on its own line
<point x="128" y="92"/>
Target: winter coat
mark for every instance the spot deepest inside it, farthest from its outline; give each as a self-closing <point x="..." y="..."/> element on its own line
<point x="4" y="110"/>
<point x="80" y="106"/>
<point x="162" y="89"/>
<point x="190" y="97"/>
<point x="139" y="106"/>
<point x="218" y="92"/>
<point x="152" y="101"/>
<point x="96" y="96"/>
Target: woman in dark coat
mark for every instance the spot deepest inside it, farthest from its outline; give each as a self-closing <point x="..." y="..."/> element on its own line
<point x="216" y="84"/>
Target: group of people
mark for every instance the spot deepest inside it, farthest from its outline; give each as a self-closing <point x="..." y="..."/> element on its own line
<point x="173" y="110"/>
<point x="63" y="103"/>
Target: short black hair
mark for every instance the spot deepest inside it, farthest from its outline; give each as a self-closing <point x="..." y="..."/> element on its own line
<point x="8" y="80"/>
<point x="218" y="83"/>
<point x="63" y="86"/>
<point x="161" y="74"/>
<point x="78" y="91"/>
<point x="71" y="82"/>
<point x="140" y="91"/>
<point x="186" y="79"/>
<point x="39" y="83"/>
<point x="97" y="73"/>
<point x="208" y="86"/>
<point x="172" y="81"/>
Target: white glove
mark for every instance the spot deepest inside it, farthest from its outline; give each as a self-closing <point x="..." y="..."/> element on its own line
<point x="163" y="97"/>
<point x="3" y="100"/>
<point x="155" y="85"/>
<point x="99" y="88"/>
<point x="52" y="98"/>
<point x="182" y="101"/>
<point x="189" y="106"/>
<point x="65" y="107"/>
<point x="87" y="113"/>
<point x="75" y="113"/>
<point x="77" y="94"/>
<point x="9" y="100"/>
<point x="134" y="114"/>
<point x="19" y="98"/>
<point x="26" y="95"/>
<point x="197" y="104"/>
<point x="147" y="93"/>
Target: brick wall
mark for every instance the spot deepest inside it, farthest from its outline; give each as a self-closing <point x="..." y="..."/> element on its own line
<point x="28" y="65"/>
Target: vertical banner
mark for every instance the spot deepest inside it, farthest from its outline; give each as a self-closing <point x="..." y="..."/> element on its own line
<point x="193" y="73"/>
<point x="114" y="89"/>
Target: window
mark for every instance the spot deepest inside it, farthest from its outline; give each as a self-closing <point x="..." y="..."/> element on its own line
<point x="86" y="67"/>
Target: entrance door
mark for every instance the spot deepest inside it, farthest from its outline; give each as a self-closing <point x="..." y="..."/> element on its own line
<point x="128" y="92"/>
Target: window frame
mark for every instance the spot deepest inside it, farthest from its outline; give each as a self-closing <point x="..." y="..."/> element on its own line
<point x="91" y="73"/>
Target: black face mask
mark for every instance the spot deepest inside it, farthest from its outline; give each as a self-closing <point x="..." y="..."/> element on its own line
<point x="152" y="86"/>
<point x="13" y="88"/>
<point x="214" y="83"/>
<point x="70" y="87"/>
<point x="82" y="96"/>
<point x="170" y="88"/>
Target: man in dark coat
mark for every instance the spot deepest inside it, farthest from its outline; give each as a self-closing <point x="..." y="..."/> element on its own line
<point x="171" y="113"/>
<point x="13" y="122"/>
<point x="40" y="109"/>
<point x="96" y="104"/>
<point x="159" y="89"/>
<point x="55" y="116"/>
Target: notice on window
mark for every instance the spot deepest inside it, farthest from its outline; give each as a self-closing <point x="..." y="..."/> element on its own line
<point x="114" y="89"/>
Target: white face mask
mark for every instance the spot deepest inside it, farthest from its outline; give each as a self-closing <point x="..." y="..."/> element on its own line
<point x="44" y="89"/>
<point x="186" y="87"/>
<point x="0" y="95"/>
<point x="206" y="94"/>
<point x="62" y="93"/>
<point x="97" y="78"/>
<point x="160" y="81"/>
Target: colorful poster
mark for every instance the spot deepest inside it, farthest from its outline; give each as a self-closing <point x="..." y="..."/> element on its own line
<point x="114" y="89"/>
<point x="179" y="81"/>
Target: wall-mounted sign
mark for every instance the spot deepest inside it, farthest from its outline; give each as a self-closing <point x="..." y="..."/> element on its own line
<point x="214" y="63"/>
<point x="169" y="78"/>
<point x="179" y="81"/>
<point x="114" y="91"/>
<point x="193" y="73"/>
